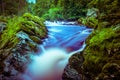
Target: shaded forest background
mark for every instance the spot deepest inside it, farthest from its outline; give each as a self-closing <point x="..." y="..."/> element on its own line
<point x="48" y="9"/>
<point x="57" y="9"/>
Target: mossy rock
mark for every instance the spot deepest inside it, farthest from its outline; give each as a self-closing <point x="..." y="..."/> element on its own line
<point x="76" y="61"/>
<point x="102" y="53"/>
<point x="35" y="19"/>
<point x="103" y="46"/>
<point x="3" y="19"/>
<point x="40" y="28"/>
<point x="33" y="46"/>
<point x="110" y="71"/>
<point x="36" y="39"/>
<point x="91" y="22"/>
<point x="33" y="26"/>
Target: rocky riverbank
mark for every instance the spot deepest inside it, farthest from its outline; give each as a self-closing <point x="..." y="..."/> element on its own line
<point x="100" y="60"/>
<point x="19" y="39"/>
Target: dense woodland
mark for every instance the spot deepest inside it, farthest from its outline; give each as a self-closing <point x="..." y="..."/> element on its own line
<point x="58" y="9"/>
<point x="49" y="9"/>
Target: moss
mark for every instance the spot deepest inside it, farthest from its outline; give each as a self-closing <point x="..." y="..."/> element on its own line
<point x="93" y="63"/>
<point x="36" y="39"/>
<point x="40" y="29"/>
<point x="35" y="19"/>
<point x="2" y="20"/>
<point x="110" y="71"/>
<point x="91" y="22"/>
<point x="102" y="35"/>
<point x="103" y="46"/>
<point x="75" y="59"/>
<point x="32" y="25"/>
<point x="102" y="53"/>
<point x="33" y="46"/>
<point x="9" y="34"/>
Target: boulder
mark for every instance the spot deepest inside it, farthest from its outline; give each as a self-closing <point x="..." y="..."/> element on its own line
<point x="70" y="74"/>
<point x="18" y="42"/>
<point x="2" y="26"/>
<point x="91" y="19"/>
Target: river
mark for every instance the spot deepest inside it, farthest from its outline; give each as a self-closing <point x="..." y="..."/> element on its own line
<point x="62" y="42"/>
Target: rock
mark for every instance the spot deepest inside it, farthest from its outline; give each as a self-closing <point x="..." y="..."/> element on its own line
<point x="2" y="26"/>
<point x="36" y="39"/>
<point x="101" y="58"/>
<point x="70" y="74"/>
<point x="93" y="12"/>
<point x="25" y="39"/>
<point x="74" y="70"/>
<point x="110" y="71"/>
<point x="23" y="36"/>
<point x="91" y="19"/>
<point x="17" y="44"/>
<point x="100" y="51"/>
<point x="75" y="59"/>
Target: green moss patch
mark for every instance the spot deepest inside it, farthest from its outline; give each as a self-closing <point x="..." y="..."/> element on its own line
<point x="29" y="24"/>
<point x="102" y="47"/>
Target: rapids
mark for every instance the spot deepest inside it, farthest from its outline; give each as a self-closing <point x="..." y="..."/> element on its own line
<point x="62" y="42"/>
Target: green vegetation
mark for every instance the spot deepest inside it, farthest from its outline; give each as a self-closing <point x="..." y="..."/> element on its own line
<point x="102" y="54"/>
<point x="31" y="25"/>
<point x="53" y="14"/>
<point x="60" y="9"/>
<point x="103" y="48"/>
<point x="91" y="22"/>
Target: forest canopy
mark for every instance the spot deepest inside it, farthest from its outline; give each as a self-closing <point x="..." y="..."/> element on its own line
<point x="60" y="9"/>
<point x="48" y="9"/>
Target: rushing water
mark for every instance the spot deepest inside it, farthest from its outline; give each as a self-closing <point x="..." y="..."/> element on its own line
<point x="62" y="42"/>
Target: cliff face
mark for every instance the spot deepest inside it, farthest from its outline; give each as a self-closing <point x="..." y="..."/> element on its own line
<point x="101" y="57"/>
<point x="19" y="39"/>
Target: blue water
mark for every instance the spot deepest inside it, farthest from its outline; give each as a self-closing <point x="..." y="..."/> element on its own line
<point x="70" y="37"/>
<point x="63" y="41"/>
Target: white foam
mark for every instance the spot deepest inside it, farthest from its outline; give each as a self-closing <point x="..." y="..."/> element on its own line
<point x="51" y="62"/>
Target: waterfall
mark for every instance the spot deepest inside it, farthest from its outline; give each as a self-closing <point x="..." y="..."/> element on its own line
<point x="63" y="41"/>
<point x="79" y="50"/>
<point x="47" y="66"/>
<point x="42" y="48"/>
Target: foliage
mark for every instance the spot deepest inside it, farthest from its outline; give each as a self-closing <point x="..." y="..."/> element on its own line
<point x="61" y="9"/>
<point x="53" y="14"/>
<point x="74" y="8"/>
<point x="41" y="7"/>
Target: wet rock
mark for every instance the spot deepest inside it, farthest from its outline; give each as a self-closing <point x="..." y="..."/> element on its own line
<point x="16" y="45"/>
<point x="110" y="71"/>
<point x="70" y="74"/>
<point x="74" y="70"/>
<point x="93" y="12"/>
<point x="102" y="53"/>
<point x="36" y="39"/>
<point x="2" y="26"/>
<point x="91" y="19"/>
